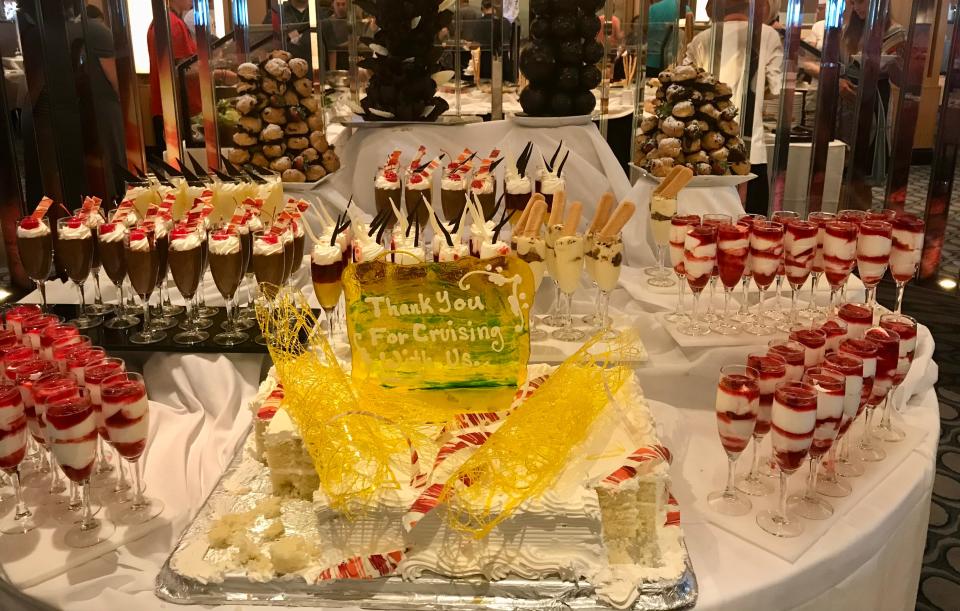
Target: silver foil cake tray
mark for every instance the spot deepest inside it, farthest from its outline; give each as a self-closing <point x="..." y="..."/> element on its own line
<point x="427" y="593"/>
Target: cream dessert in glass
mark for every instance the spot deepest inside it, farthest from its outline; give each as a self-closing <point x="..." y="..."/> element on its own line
<point x="662" y="210"/>
<point x="847" y="464"/>
<point x="699" y="259"/>
<point x="386" y="184"/>
<point x="733" y="251"/>
<point x="771" y="370"/>
<point x="835" y="328"/>
<point x="35" y="245"/>
<point x="816" y="271"/>
<point x="851" y="368"/>
<point x="453" y="185"/>
<point x="736" y="402"/>
<point x="799" y="252"/>
<point x="766" y="254"/>
<point x="888" y="356"/>
<point x="814" y="342"/>
<point x="858" y="317"/>
<point x="794" y="419"/>
<point x="13" y="449"/>
<point x="873" y="255"/>
<point x="226" y="265"/>
<point x="906" y="328"/>
<point x="831" y="388"/>
<point x="568" y="262"/>
<point x="326" y="267"/>
<point x="839" y="255"/>
<point x="679" y="226"/>
<point x="518" y="187"/>
<point x="185" y="267"/>
<point x="905" y="253"/>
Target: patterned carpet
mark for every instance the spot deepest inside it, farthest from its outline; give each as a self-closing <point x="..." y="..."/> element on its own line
<point x="940" y="577"/>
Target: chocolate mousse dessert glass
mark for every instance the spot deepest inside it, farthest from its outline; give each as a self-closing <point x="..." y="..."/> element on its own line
<point x="112" y="239"/>
<point x="299" y="243"/>
<point x="126" y="414"/>
<point x="418" y="188"/>
<point x="143" y="267"/>
<point x="75" y="245"/>
<point x="226" y="264"/>
<point x="326" y="268"/>
<point x="164" y="315"/>
<point x="268" y="262"/>
<point x="72" y="432"/>
<point x="453" y="191"/>
<point x="13" y="449"/>
<point x="94" y="221"/>
<point x="184" y="257"/>
<point x="35" y="245"/>
<point x="387" y="186"/>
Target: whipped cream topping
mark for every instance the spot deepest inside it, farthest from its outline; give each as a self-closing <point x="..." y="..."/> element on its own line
<point x="94" y="220"/>
<point x="162" y="228"/>
<point x="454" y="182"/>
<point x="482" y="185"/>
<point x="517" y="185"/>
<point x="551" y="184"/>
<point x="324" y="254"/>
<point x="74" y="230"/>
<point x="112" y="232"/>
<point x="183" y="240"/>
<point x="411" y="255"/>
<point x="388" y="180"/>
<point x="255" y="223"/>
<point x="32" y="228"/>
<point x="494" y="249"/>
<point x="267" y="245"/>
<point x="366" y="250"/>
<point x="298" y="230"/>
<point x="423" y="184"/>
<point x="224" y="244"/>
<point x="139" y="241"/>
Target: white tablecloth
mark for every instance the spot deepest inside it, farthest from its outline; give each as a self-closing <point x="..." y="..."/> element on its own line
<point x="870" y="559"/>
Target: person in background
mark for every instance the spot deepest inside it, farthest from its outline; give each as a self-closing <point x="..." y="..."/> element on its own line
<point x="469" y="21"/>
<point x="814" y="36"/>
<point x="295" y="17"/>
<point x="183" y="47"/>
<point x="486" y="26"/>
<point x="872" y="166"/>
<point x="662" y="24"/>
<point x="764" y="83"/>
<point x="335" y="34"/>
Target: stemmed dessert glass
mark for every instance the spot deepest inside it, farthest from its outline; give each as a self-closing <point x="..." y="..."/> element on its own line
<point x="835" y="328"/>
<point x="800" y="249"/>
<point x="75" y="245"/>
<point x="607" y="257"/>
<point x="13" y="449"/>
<point x="820" y="219"/>
<point x="851" y="368"/>
<point x="50" y="388"/>
<point x="24" y="374"/>
<point x="906" y="328"/>
<point x="111" y="237"/>
<point x="163" y="318"/>
<point x="830" y="388"/>
<point x="858" y="318"/>
<point x="532" y="249"/>
<point x="126" y="413"/>
<point x="714" y="220"/>
<point x="906" y="252"/>
<point x="771" y="370"/>
<point x="95" y="373"/>
<point x="873" y="255"/>
<point x="733" y="250"/>
<point x="766" y="253"/>
<point x="839" y="256"/>
<point x="888" y="356"/>
<point x="72" y="428"/>
<point x="736" y="406"/>
<point x="744" y="315"/>
<point x="186" y="268"/>
<point x="699" y="259"/>
<point x="814" y="342"/>
<point x="662" y="210"/>
<point x="268" y="262"/>
<point x="35" y="245"/>
<point x="794" y="419"/>
<point x="226" y="265"/>
<point x="326" y="270"/>
<point x="93" y="221"/>
<point x="554" y="318"/>
<point x="143" y="265"/>
<point x="784" y="217"/>
<point x="679" y="226"/>
<point x="868" y="352"/>
<point x="568" y="252"/>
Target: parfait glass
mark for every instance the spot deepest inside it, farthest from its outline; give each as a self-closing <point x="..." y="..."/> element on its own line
<point x="73" y="432"/>
<point x="738" y="394"/>
<point x="268" y="266"/>
<point x="606" y="256"/>
<point x="820" y="219"/>
<point x="744" y="315"/>
<point x="112" y="238"/>
<point x="851" y="368"/>
<point x="766" y="254"/>
<point x="662" y="210"/>
<point x="13" y="449"/>
<point x="75" y="247"/>
<point x="35" y="246"/>
<point x="679" y="226"/>
<point x="126" y="413"/>
<point x="163" y="318"/>
<point x="555" y="318"/>
<point x="714" y="220"/>
<point x="905" y="252"/>
<point x="699" y="259"/>
<point x="94" y="221"/>
<point x="799" y="251"/>
<point x="873" y="255"/>
<point x="793" y="422"/>
<point x="839" y="256"/>
<point x="831" y="388"/>
<point x="49" y="389"/>
<point x="858" y="318"/>
<point x="326" y="271"/>
<point x="835" y="329"/>
<point x="94" y="375"/>
<point x="24" y="374"/>
<point x="906" y="328"/>
<point x="226" y="265"/>
<point x="246" y="314"/>
<point x="186" y="268"/>
<point x="14" y="317"/>
<point x="771" y="370"/>
<point x="568" y="252"/>
<point x="849" y="465"/>
<point x="784" y="217"/>
<point x="143" y="266"/>
<point x="794" y="355"/>
<point x="888" y="356"/>
<point x="733" y="250"/>
<point x="533" y="249"/>
<point x="814" y="342"/>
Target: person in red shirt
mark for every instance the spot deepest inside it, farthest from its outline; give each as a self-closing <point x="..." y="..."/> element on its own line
<point x="183" y="47"/>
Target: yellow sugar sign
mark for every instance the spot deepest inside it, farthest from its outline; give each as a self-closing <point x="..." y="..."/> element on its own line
<point x="440" y="326"/>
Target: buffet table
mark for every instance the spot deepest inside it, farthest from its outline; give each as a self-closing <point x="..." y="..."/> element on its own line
<point x="870" y="558"/>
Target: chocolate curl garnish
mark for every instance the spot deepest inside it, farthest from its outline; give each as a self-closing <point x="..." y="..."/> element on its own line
<point x="463" y="161"/>
<point x="336" y="230"/>
<point x="377" y="221"/>
<point x="493" y="166"/>
<point x="500" y="224"/>
<point x="431" y="166"/>
<point x="410" y="218"/>
<point x="416" y="235"/>
<point x="496" y="208"/>
<point x="383" y="228"/>
<point x="556" y="154"/>
<point x="524" y="159"/>
<point x="563" y="163"/>
<point x="197" y="168"/>
<point x="158" y="174"/>
<point x="139" y="172"/>
<point x="128" y="177"/>
<point x="233" y="170"/>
